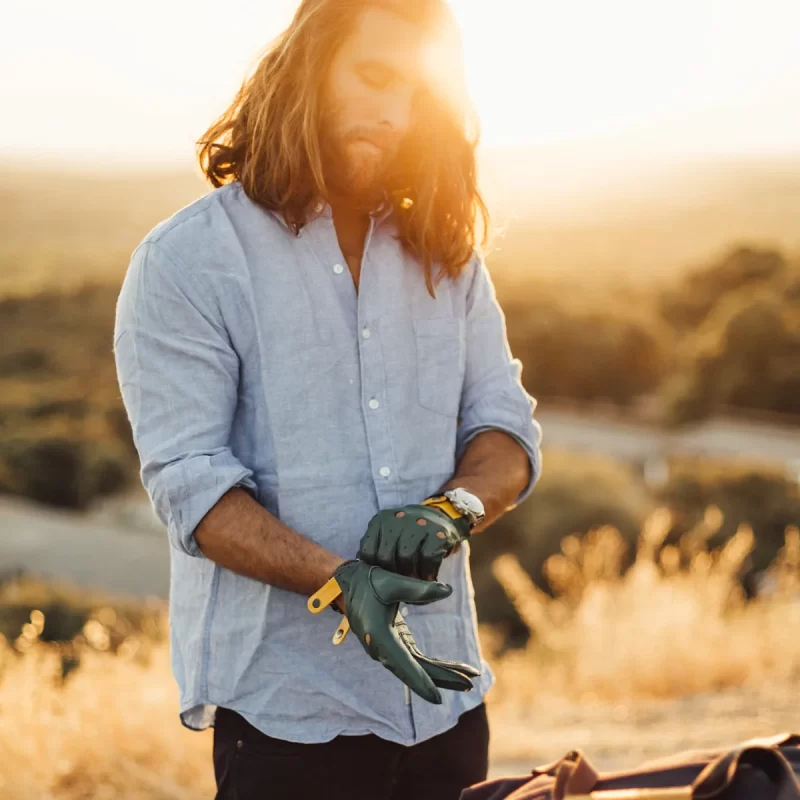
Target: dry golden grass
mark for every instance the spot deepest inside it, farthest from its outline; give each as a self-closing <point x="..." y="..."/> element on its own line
<point x="663" y="656"/>
<point x="110" y="730"/>
<point x="675" y="623"/>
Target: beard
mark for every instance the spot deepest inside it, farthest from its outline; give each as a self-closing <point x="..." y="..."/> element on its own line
<point x="357" y="162"/>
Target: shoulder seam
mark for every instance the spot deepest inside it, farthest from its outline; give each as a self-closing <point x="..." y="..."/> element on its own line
<point x="202" y="206"/>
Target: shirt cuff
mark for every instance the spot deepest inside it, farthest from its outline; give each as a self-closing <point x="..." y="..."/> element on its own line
<point x="525" y="430"/>
<point x="185" y="491"/>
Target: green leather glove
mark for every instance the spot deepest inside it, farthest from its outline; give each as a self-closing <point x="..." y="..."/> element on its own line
<point x="412" y="540"/>
<point x="372" y="596"/>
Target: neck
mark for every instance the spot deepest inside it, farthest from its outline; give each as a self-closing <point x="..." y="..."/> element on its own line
<point x="346" y="207"/>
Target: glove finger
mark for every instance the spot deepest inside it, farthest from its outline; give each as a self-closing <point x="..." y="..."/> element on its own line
<point x="396" y="657"/>
<point x="466" y="670"/>
<point x="446" y="677"/>
<point x="433" y="551"/>
<point x="386" y="554"/>
<point x="445" y="674"/>
<point x="392" y="588"/>
<point x="368" y="548"/>
<point x="407" y="555"/>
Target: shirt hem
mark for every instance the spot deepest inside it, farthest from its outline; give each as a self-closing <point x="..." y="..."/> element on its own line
<point x="206" y="711"/>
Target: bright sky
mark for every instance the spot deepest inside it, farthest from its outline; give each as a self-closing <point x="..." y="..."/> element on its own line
<point x="126" y="81"/>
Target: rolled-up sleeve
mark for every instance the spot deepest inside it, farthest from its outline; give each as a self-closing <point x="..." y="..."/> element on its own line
<point x="178" y="376"/>
<point x="493" y="396"/>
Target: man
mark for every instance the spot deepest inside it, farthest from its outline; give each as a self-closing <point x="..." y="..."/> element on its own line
<point x="306" y="355"/>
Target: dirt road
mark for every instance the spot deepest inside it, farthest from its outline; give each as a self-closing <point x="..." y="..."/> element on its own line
<point x="89" y="550"/>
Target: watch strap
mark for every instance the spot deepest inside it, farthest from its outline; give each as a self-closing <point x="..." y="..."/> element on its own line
<point x="444" y="504"/>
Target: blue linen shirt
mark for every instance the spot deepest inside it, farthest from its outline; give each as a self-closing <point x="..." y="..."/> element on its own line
<point x="246" y="357"/>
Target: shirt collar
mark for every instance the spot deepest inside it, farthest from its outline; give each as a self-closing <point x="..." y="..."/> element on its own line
<point x="322" y="210"/>
<point x="383" y="209"/>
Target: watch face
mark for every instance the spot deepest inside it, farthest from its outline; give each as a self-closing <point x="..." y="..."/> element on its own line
<point x="466" y="502"/>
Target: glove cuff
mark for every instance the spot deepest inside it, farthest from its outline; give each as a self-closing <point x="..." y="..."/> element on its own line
<point x="341" y="566"/>
<point x="443" y="504"/>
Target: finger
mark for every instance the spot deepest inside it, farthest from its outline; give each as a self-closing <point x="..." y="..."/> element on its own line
<point x="446" y="677"/>
<point x="368" y="549"/>
<point x="386" y="555"/>
<point x="395" y="656"/>
<point x="466" y="670"/>
<point x="452" y="675"/>
<point x="446" y="674"/>
<point x="391" y="588"/>
<point x="407" y="556"/>
<point x="433" y="552"/>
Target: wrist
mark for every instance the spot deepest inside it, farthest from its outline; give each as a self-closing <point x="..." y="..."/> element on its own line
<point x="463" y="507"/>
<point x="332" y="566"/>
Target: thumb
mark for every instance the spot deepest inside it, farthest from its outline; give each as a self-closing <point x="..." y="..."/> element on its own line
<point x="392" y="588"/>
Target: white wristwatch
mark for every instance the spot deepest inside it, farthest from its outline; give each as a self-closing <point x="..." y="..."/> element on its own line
<point x="465" y="504"/>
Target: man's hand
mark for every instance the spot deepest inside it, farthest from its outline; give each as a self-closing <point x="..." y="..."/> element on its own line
<point x="412" y="540"/>
<point x="371" y="597"/>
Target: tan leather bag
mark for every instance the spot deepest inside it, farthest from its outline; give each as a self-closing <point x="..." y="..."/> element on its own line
<point x="759" y="769"/>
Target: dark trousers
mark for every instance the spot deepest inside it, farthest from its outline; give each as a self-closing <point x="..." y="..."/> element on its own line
<point x="249" y="765"/>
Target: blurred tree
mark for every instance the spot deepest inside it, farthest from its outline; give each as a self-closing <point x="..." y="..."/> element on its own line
<point x="745" y="355"/>
<point x="697" y="293"/>
<point x="587" y="353"/>
<point x="63" y="471"/>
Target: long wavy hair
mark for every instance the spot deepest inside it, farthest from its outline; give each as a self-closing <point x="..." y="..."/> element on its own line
<point x="269" y="137"/>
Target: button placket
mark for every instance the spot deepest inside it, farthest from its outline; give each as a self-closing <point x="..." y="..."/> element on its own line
<point x="376" y="429"/>
<point x="379" y="435"/>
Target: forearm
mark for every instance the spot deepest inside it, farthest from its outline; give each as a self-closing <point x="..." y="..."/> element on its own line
<point x="496" y="468"/>
<point x="242" y="536"/>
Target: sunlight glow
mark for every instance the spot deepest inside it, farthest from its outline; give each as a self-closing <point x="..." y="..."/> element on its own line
<point x="547" y="72"/>
<point x="134" y="81"/>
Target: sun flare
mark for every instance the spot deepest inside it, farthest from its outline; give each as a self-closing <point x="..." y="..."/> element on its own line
<point x="103" y="81"/>
<point x="541" y="72"/>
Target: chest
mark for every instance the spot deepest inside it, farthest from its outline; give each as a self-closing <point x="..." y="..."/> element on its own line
<point x="353" y="261"/>
<point x="331" y="368"/>
<point x="351" y="236"/>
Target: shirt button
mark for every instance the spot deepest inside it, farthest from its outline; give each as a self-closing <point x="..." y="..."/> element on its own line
<point x="373" y="404"/>
<point x="366" y="333"/>
<point x="385" y="472"/>
<point x="338" y="269"/>
<point x="404" y="611"/>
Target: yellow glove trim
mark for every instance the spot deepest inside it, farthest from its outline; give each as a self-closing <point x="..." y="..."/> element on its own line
<point x="324" y="596"/>
<point x="441" y="502"/>
<point x="321" y="599"/>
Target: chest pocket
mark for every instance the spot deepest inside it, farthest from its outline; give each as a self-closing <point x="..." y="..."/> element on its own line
<point x="441" y="360"/>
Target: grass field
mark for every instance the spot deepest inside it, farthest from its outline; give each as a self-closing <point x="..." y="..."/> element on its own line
<point x="627" y="666"/>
